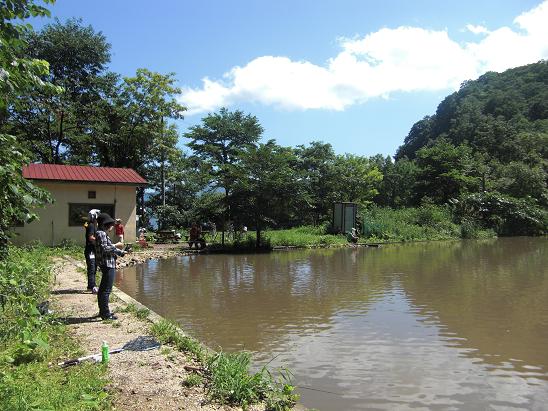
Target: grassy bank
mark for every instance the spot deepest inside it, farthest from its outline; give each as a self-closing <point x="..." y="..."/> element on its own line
<point x="31" y="341"/>
<point x="227" y="376"/>
<point x="382" y="225"/>
<point x="428" y="222"/>
<point x="306" y="236"/>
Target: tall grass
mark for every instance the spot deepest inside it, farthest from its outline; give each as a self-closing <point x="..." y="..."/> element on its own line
<point x="30" y="340"/>
<point x="427" y="222"/>
<point x="408" y="224"/>
<point x="305" y="236"/>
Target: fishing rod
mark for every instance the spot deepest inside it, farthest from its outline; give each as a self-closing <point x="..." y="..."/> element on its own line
<point x="98" y="357"/>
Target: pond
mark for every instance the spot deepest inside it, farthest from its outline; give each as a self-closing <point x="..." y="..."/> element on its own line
<point x="440" y="325"/>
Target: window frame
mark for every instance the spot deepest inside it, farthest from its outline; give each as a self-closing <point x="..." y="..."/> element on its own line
<point x="105" y="208"/>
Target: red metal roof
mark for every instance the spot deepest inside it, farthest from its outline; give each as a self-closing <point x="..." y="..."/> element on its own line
<point x="83" y="173"/>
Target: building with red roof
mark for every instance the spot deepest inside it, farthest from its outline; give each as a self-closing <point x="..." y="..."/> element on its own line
<point x="75" y="191"/>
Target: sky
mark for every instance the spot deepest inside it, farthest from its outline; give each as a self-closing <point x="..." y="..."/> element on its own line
<point x="353" y="73"/>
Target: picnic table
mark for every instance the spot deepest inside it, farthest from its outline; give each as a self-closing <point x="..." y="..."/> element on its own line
<point x="166" y="236"/>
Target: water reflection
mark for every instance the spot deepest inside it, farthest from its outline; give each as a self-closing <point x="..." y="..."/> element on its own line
<point x="458" y="325"/>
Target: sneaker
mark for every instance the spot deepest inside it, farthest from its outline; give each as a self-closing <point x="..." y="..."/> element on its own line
<point x="109" y="317"/>
<point x="95" y="290"/>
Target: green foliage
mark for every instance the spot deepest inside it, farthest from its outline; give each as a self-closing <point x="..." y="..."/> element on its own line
<point x="29" y="341"/>
<point x="304" y="236"/>
<point x="491" y="135"/>
<point x="488" y="113"/>
<point x="357" y="179"/>
<point x="470" y="229"/>
<point x="219" y="142"/>
<point x="398" y="184"/>
<point x="23" y="284"/>
<point x="18" y="196"/>
<point x="36" y="386"/>
<point x="169" y="216"/>
<point x="316" y="166"/>
<point x="264" y="173"/>
<point x="55" y="126"/>
<point x="229" y="380"/>
<point x="445" y="171"/>
<point x="428" y="222"/>
<point x="193" y="380"/>
<point x="18" y="77"/>
<point x="132" y="131"/>
<point x="505" y="215"/>
<point x="140" y="313"/>
<point x="168" y="333"/>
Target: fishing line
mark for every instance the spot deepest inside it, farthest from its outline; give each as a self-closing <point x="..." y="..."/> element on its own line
<point x="317" y="389"/>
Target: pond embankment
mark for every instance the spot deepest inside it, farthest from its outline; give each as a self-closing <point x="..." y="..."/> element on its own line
<point x="151" y="380"/>
<point x="179" y="374"/>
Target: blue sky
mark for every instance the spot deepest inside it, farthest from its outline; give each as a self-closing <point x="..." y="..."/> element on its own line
<point x="356" y="74"/>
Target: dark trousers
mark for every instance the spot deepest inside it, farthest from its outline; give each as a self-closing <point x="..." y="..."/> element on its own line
<point x="91" y="265"/>
<point x="107" y="280"/>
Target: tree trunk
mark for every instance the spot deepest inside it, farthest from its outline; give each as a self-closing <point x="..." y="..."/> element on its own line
<point x="163" y="176"/>
<point x="226" y="216"/>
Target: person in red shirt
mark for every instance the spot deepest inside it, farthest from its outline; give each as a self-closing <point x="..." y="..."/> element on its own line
<point x="119" y="230"/>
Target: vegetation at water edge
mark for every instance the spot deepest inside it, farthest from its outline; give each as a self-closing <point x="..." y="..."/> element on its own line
<point x="31" y="339"/>
<point x="227" y="376"/>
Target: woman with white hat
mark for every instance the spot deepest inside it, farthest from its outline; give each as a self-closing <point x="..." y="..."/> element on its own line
<point x="106" y="254"/>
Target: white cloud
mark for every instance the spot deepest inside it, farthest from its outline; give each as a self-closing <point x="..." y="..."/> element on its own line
<point x="389" y="60"/>
<point x="476" y="29"/>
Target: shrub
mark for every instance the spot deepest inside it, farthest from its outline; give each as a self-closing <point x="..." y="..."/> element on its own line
<point x="505" y="215"/>
<point x="428" y="222"/>
<point x="29" y="341"/>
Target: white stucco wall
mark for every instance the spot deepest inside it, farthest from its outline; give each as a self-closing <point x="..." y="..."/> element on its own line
<point x="53" y="225"/>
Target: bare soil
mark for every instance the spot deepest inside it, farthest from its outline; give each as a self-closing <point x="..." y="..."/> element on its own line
<point x="140" y="380"/>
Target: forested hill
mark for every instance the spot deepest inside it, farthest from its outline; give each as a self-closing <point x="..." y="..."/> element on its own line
<point x="503" y="116"/>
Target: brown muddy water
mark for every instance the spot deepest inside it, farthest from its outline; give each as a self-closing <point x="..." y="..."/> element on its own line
<point x="441" y="326"/>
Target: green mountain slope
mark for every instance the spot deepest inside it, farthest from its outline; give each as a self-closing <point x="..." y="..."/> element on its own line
<point x="503" y="116"/>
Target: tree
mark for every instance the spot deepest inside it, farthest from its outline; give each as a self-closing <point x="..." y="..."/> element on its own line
<point x="398" y="183"/>
<point x="357" y="179"/>
<point x="134" y="131"/>
<point x="55" y="126"/>
<point x="445" y="172"/>
<point x="519" y="180"/>
<point x="220" y="142"/>
<point x="17" y="76"/>
<point x="266" y="172"/>
<point x="317" y="166"/>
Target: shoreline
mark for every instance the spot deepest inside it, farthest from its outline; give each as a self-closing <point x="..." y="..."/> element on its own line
<point x="155" y="379"/>
<point x="163" y="251"/>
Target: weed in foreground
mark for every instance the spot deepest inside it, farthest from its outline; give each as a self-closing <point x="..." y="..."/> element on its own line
<point x="231" y="382"/>
<point x="30" y="341"/>
<point x="168" y="333"/>
<point x="140" y="313"/>
<point x="193" y="380"/>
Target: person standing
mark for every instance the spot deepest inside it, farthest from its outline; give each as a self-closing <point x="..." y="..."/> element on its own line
<point x="119" y="230"/>
<point x="89" y="250"/>
<point x="106" y="253"/>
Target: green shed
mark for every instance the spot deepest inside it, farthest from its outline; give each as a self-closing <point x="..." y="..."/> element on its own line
<point x="344" y="216"/>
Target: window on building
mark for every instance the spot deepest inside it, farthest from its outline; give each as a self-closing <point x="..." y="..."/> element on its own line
<point x="78" y="212"/>
<point x="92" y="194"/>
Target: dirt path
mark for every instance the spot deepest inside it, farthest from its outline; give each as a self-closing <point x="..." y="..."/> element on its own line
<point x="140" y="380"/>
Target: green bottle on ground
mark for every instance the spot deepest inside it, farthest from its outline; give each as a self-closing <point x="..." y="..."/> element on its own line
<point x="104" y="353"/>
